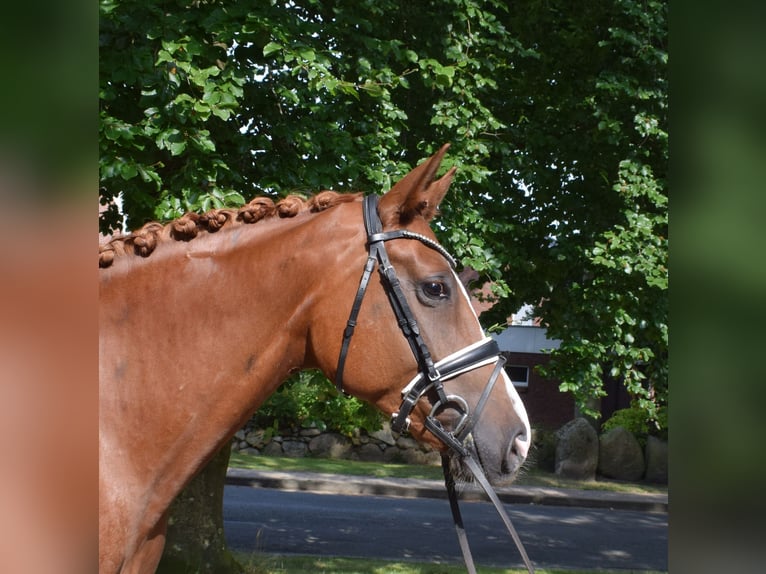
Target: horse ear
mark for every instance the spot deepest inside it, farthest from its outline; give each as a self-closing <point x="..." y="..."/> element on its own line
<point x="417" y="193"/>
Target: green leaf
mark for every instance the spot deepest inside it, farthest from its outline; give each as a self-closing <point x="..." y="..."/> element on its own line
<point x="271" y="47"/>
<point x="222" y="113"/>
<point x="306" y="53"/>
<point x="128" y="171"/>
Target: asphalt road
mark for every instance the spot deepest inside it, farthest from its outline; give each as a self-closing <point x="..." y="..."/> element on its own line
<point x="274" y="521"/>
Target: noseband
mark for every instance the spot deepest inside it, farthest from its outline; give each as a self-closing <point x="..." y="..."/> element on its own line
<point x="431" y="376"/>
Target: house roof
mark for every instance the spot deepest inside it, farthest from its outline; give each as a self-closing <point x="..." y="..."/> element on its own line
<point x="525" y="339"/>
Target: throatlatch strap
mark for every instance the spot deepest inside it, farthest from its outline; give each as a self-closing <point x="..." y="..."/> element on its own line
<point x="371" y="225"/>
<point x="351" y="324"/>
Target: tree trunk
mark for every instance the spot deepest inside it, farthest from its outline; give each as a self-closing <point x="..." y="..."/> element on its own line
<point x="195" y="539"/>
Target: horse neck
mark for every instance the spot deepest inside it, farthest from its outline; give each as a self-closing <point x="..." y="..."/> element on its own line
<point x="197" y="338"/>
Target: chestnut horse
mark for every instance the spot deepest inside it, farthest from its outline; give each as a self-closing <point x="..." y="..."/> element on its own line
<point x="202" y="319"/>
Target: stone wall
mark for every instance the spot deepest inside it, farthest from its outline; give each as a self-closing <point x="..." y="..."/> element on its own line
<point x="574" y="451"/>
<point x="379" y="446"/>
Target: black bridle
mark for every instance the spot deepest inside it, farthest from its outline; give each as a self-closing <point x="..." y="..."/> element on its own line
<point x="431" y="376"/>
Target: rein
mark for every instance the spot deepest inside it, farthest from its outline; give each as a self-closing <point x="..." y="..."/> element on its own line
<point x="431" y="376"/>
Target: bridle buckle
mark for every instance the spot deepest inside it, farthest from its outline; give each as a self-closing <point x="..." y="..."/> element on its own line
<point x="395" y="423"/>
<point x="456" y="403"/>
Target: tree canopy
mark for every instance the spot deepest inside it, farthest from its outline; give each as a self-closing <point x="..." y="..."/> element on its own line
<point x="557" y="115"/>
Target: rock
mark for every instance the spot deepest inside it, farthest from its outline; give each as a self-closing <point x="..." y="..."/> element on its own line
<point x="413" y="456"/>
<point x="255" y="438"/>
<point x="425" y="447"/>
<point x="294" y="448"/>
<point x="273" y="449"/>
<point x="310" y="432"/>
<point x="656" y="460"/>
<point x="369" y="452"/>
<point x="407" y="443"/>
<point x="434" y="458"/>
<point x="330" y="445"/>
<point x="393" y="455"/>
<point x="620" y="455"/>
<point x="576" y="450"/>
<point x="384" y="435"/>
<point x="240" y="434"/>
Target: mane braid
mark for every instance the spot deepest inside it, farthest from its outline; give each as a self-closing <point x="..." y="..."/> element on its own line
<point x="144" y="240"/>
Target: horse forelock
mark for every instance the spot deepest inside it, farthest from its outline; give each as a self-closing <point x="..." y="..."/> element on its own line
<point x="145" y="240"/>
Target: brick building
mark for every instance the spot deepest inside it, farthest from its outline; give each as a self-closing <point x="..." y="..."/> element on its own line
<point x="523" y="347"/>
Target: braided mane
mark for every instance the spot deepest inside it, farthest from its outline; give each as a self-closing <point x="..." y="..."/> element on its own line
<point x="144" y="241"/>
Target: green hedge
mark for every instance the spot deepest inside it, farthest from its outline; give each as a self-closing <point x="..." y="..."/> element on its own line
<point x="308" y="399"/>
<point x="635" y="420"/>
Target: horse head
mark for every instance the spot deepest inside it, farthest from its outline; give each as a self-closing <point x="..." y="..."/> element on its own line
<point x="412" y="344"/>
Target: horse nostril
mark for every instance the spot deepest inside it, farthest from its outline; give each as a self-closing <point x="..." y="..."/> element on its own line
<point x="520" y="446"/>
<point x="516" y="454"/>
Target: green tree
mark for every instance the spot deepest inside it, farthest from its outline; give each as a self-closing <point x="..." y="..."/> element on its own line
<point x="596" y="151"/>
<point x="557" y="115"/>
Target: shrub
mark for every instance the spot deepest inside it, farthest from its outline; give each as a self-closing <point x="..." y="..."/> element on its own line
<point x="635" y="420"/>
<point x="543" y="454"/>
<point x="308" y="399"/>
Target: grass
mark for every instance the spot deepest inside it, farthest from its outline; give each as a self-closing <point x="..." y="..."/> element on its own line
<point x="530" y="477"/>
<point x="273" y="564"/>
<point x="335" y="466"/>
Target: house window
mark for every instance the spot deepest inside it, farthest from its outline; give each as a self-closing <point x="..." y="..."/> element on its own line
<point x="519" y="375"/>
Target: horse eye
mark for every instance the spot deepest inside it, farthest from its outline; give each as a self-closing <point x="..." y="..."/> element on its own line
<point x="435" y="290"/>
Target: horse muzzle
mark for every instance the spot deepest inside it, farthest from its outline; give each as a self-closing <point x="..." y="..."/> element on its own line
<point x="479" y="354"/>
